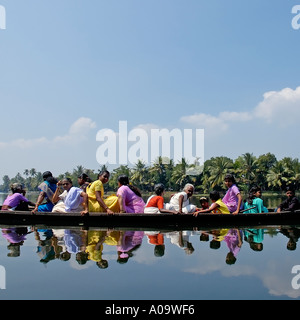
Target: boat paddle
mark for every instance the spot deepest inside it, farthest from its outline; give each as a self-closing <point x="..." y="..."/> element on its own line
<point x="246" y="209"/>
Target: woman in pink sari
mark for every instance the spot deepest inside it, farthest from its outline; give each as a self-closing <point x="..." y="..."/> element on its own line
<point x="130" y="198"/>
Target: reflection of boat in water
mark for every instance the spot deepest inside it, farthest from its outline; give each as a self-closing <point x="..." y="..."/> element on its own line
<point x="152" y="221"/>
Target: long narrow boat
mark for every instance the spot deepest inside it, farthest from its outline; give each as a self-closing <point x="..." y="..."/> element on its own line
<point x="149" y="221"/>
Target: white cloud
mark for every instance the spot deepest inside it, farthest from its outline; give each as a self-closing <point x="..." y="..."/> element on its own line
<point x="82" y="124"/>
<point x="282" y="107"/>
<point x="278" y="107"/>
<point x="77" y="132"/>
<point x="207" y="121"/>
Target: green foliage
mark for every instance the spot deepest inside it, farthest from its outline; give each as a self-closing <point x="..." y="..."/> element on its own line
<point x="265" y="171"/>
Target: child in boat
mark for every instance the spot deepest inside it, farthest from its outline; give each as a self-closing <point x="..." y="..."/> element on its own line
<point x="155" y="203"/>
<point x="204" y="203"/>
<point x="291" y="203"/>
<point x="255" y="201"/>
<point x="17" y="200"/>
<point x="217" y="206"/>
<point x="232" y="198"/>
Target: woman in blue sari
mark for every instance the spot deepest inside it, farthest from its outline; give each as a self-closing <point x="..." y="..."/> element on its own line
<point x="47" y="189"/>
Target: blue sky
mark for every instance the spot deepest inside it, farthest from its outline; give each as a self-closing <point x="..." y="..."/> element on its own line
<point x="71" y="68"/>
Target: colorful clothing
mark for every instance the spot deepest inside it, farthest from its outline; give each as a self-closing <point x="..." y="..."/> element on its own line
<point x="156" y="239"/>
<point x="15" y="235"/>
<point x="222" y="208"/>
<point x="70" y="201"/>
<point x="156" y="201"/>
<point x="130" y="240"/>
<point x="233" y="240"/>
<point x="14" y="200"/>
<point x="186" y="206"/>
<point x="94" y="252"/>
<point x="49" y="190"/>
<point x="231" y="199"/>
<point x="94" y="206"/>
<point x="132" y="203"/>
<point x="154" y="204"/>
<point x="258" y="204"/>
<point x="73" y="199"/>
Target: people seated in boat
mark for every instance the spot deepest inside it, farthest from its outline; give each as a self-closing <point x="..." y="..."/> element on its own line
<point x="291" y="203"/>
<point x="72" y="199"/>
<point x="84" y="180"/>
<point x="204" y="203"/>
<point x="217" y="206"/>
<point x="232" y="198"/>
<point x="259" y="195"/>
<point x="95" y="192"/>
<point x="254" y="203"/>
<point x="155" y="203"/>
<point x="17" y="200"/>
<point x="181" y="201"/>
<point x="47" y="189"/>
<point x="129" y="196"/>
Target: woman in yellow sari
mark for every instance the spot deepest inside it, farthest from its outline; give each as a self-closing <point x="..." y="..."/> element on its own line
<point x="95" y="192"/>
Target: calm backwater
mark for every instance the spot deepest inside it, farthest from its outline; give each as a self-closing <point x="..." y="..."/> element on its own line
<point x="74" y="263"/>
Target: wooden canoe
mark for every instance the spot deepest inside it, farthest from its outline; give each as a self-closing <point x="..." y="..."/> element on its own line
<point x="150" y="221"/>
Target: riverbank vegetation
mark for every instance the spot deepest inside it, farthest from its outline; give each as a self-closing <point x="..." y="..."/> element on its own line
<point x="266" y="171"/>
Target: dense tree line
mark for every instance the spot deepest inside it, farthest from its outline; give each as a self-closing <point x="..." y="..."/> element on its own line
<point x="266" y="171"/>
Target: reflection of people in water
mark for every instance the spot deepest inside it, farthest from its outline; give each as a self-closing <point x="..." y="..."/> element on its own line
<point x="218" y="237"/>
<point x="76" y="242"/>
<point x="130" y="242"/>
<point x="45" y="249"/>
<point x="293" y="234"/>
<point x="181" y="239"/>
<point x="94" y="248"/>
<point x="16" y="238"/>
<point x="59" y="245"/>
<point x="157" y="239"/>
<point x="204" y="237"/>
<point x="234" y="243"/>
<point x="255" y="238"/>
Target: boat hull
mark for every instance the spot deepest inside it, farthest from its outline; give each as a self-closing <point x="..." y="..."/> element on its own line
<point x="150" y="221"/>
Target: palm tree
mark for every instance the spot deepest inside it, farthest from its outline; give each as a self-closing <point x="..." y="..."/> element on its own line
<point x="33" y="172"/>
<point x="6" y="183"/>
<point x="140" y="175"/>
<point x="215" y="171"/>
<point x="78" y="171"/>
<point x="248" y="169"/>
<point x="158" y="171"/>
<point x="113" y="181"/>
<point x="276" y="177"/>
<point x="180" y="174"/>
<point x="265" y="163"/>
<point x="296" y="173"/>
<point x="26" y="172"/>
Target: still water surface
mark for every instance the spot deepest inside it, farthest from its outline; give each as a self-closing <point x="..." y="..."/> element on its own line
<point x="148" y="265"/>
